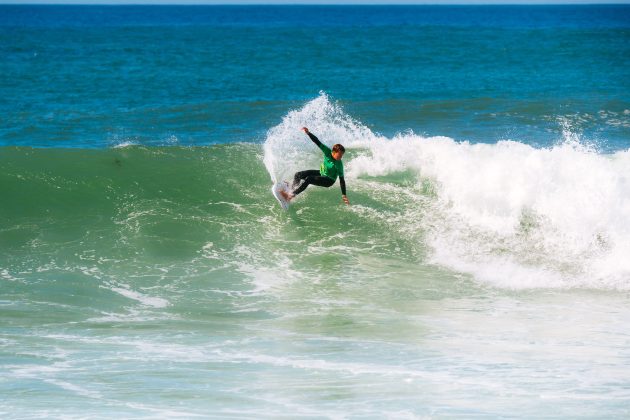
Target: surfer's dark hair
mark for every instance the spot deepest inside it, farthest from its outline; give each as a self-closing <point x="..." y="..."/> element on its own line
<point x="339" y="148"/>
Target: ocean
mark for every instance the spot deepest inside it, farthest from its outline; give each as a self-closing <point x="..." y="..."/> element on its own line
<point x="482" y="269"/>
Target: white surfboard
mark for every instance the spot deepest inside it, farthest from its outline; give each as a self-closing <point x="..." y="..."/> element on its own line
<point x="275" y="190"/>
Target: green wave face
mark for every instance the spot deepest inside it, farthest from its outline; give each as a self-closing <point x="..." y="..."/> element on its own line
<point x="140" y="274"/>
<point x="109" y="225"/>
<point x="142" y="197"/>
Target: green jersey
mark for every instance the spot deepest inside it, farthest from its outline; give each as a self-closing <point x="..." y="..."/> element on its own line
<point x="330" y="167"/>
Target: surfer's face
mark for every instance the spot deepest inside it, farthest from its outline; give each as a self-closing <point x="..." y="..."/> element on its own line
<point x="337" y="155"/>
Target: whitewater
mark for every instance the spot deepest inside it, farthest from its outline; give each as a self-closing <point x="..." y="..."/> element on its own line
<point x="507" y="213"/>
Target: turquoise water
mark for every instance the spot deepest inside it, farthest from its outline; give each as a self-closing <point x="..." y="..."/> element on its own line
<point x="480" y="272"/>
<point x="99" y="76"/>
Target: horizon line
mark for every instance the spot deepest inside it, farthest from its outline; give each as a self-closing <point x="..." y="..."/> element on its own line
<point x="314" y="2"/>
<point x="279" y="3"/>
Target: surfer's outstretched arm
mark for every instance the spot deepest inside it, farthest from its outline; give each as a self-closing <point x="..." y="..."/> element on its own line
<point x="312" y="137"/>
<point x="342" y="184"/>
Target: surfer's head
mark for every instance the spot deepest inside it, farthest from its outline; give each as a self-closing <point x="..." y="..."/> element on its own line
<point x="338" y="151"/>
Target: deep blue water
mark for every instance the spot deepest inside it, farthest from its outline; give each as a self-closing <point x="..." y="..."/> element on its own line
<point x="94" y="76"/>
<point x="504" y="16"/>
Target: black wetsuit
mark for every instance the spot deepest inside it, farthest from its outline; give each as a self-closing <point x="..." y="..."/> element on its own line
<point x="313" y="176"/>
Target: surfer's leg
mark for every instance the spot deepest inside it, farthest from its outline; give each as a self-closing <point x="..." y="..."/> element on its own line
<point x="319" y="180"/>
<point x="301" y="176"/>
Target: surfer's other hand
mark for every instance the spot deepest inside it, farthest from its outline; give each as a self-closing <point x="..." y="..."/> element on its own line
<point x="345" y="199"/>
<point x="305" y="129"/>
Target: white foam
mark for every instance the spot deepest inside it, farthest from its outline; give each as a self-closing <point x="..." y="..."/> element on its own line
<point x="124" y="144"/>
<point x="126" y="291"/>
<point x="524" y="217"/>
<point x="5" y="274"/>
<point x="83" y="392"/>
<point x="131" y="315"/>
<point x="508" y="213"/>
<point x="162" y="412"/>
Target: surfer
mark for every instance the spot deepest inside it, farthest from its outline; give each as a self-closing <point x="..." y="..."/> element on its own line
<point x="331" y="167"/>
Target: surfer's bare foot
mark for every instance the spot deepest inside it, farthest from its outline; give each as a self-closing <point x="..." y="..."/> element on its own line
<point x="287" y="196"/>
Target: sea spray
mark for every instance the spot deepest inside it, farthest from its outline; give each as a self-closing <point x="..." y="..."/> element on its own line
<point x="286" y="147"/>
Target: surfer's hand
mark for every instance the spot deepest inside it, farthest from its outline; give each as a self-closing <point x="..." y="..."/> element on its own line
<point x="305" y="129"/>
<point x="345" y="199"/>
